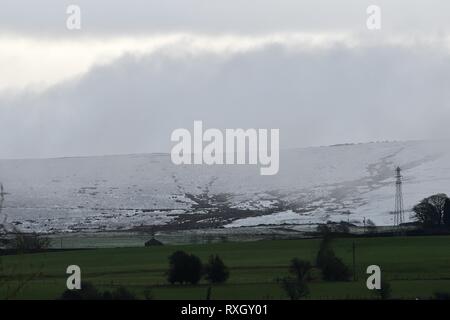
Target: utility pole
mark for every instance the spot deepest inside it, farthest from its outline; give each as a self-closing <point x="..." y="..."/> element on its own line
<point x="364" y="223"/>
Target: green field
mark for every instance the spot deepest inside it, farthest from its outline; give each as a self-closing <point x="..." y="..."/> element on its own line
<point x="415" y="266"/>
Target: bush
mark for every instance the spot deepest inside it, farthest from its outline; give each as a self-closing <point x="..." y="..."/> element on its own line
<point x="385" y="292"/>
<point x="442" y="296"/>
<point x="184" y="268"/>
<point x="89" y="292"/>
<point x="300" y="269"/>
<point x="122" y="293"/>
<point x="333" y="269"/>
<point x="216" y="271"/>
<point x="148" y="294"/>
<point x="324" y="253"/>
<point x="295" y="288"/>
<point x="30" y="242"/>
<point x="433" y="211"/>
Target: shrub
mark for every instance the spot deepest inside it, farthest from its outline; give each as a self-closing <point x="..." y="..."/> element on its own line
<point x="89" y="292"/>
<point x="122" y="293"/>
<point x="300" y="269"/>
<point x="184" y="268"/>
<point x="433" y="211"/>
<point x="324" y="253"/>
<point x="385" y="292"/>
<point x="30" y="242"/>
<point x="333" y="269"/>
<point x="294" y="288"/>
<point x="216" y="271"/>
<point x="442" y="295"/>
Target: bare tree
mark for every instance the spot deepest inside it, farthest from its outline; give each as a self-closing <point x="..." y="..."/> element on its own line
<point x="8" y="227"/>
<point x="12" y="281"/>
<point x="433" y="211"/>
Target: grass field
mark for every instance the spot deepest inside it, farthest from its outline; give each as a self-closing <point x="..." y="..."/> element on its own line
<point x="415" y="266"/>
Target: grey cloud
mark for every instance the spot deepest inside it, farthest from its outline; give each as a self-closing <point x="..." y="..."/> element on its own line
<point x="315" y="98"/>
<point x="217" y="16"/>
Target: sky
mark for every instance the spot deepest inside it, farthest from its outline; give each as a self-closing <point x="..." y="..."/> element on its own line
<point x="137" y="70"/>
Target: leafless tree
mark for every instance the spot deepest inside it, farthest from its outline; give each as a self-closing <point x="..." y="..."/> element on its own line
<point x="12" y="282"/>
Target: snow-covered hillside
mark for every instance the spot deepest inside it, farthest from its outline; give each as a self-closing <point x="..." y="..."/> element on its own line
<point x="347" y="182"/>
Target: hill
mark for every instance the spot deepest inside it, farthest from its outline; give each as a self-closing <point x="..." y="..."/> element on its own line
<point x="344" y="182"/>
